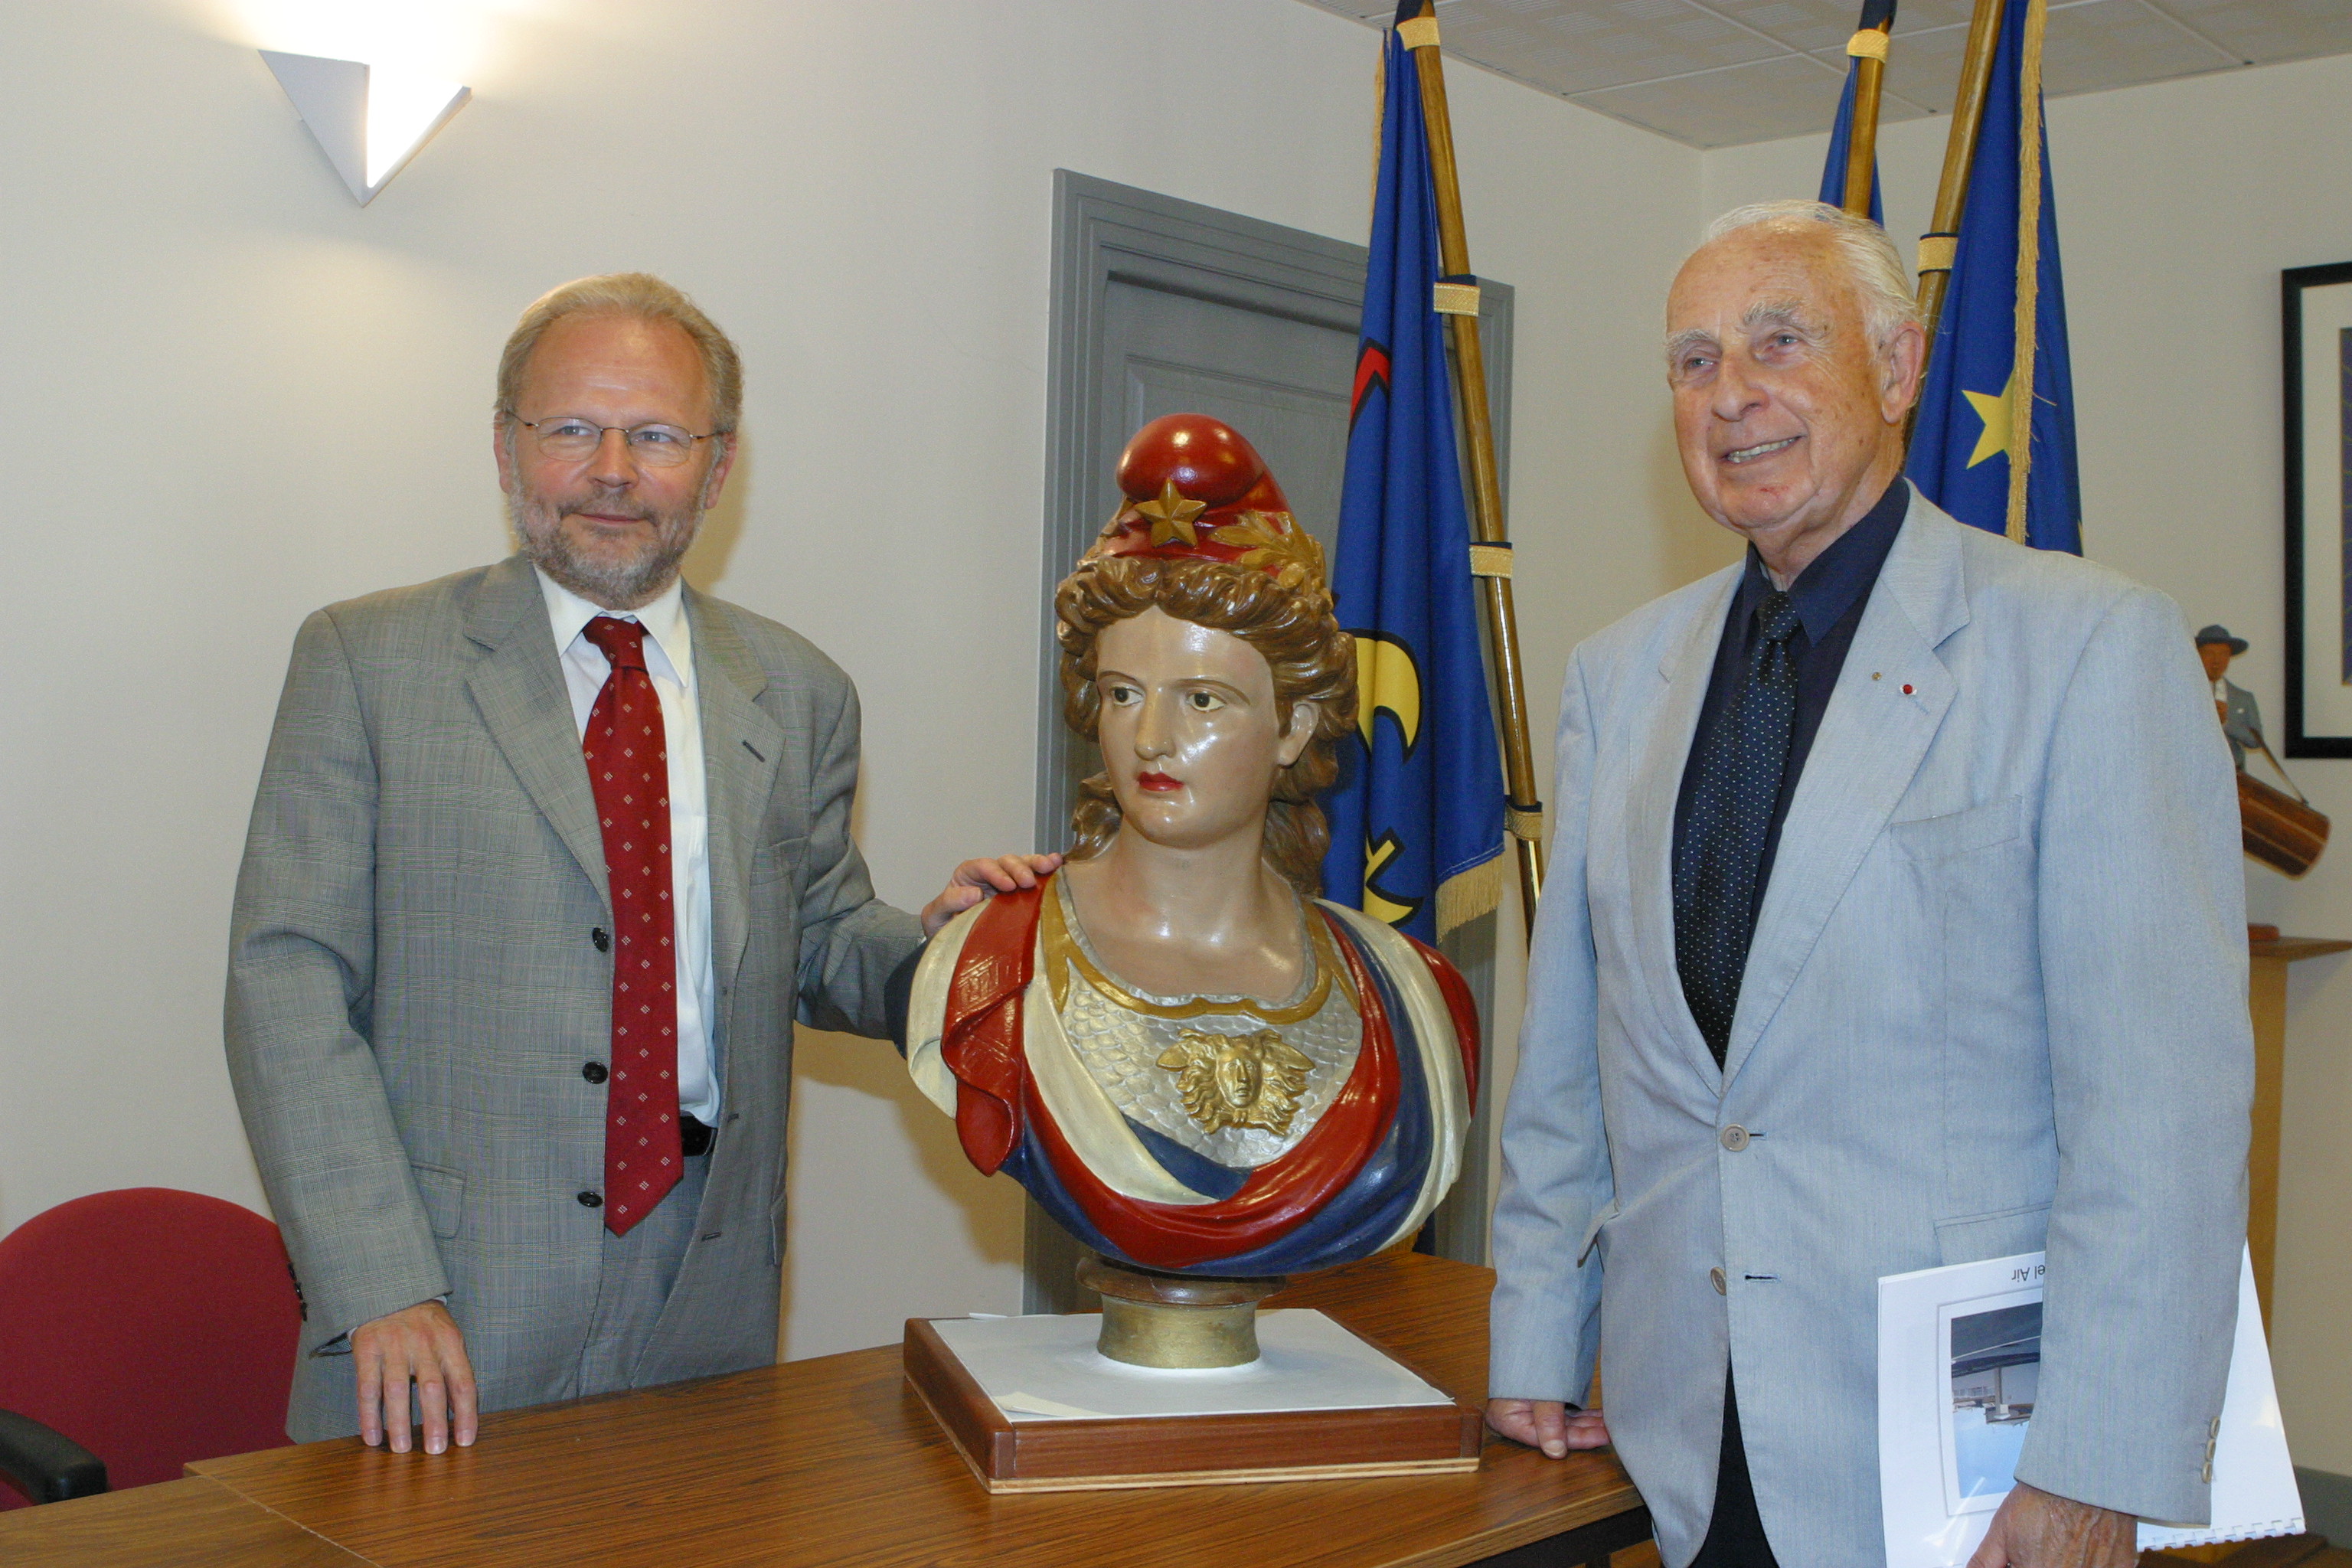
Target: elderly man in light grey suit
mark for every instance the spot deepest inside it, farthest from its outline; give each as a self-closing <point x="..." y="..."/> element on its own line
<point x="546" y="860"/>
<point x="1895" y="921"/>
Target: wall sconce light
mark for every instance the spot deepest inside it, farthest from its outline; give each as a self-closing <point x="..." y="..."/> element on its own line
<point x="369" y="121"/>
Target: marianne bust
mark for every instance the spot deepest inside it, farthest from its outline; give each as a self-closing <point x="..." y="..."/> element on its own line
<point x="1188" y="1059"/>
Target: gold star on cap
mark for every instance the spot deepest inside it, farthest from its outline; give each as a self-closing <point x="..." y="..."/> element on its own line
<point x="1171" y="515"/>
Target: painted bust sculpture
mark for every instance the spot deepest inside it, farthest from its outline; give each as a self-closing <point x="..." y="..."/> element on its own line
<point x="1190" y="1061"/>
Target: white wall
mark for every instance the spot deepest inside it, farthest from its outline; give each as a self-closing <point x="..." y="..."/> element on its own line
<point x="266" y="399"/>
<point x="2177" y="205"/>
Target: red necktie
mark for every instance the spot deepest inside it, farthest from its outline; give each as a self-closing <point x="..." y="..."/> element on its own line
<point x="628" y="767"/>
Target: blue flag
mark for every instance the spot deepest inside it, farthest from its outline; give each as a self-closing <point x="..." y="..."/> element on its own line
<point x="1417" y="817"/>
<point x="1834" y="169"/>
<point x="1959" y="449"/>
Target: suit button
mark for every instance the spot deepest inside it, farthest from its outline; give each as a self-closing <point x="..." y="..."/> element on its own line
<point x="1714" y="1276"/>
<point x="602" y="938"/>
<point x="1735" y="1138"/>
<point x="590" y="1201"/>
<point x="595" y="1072"/>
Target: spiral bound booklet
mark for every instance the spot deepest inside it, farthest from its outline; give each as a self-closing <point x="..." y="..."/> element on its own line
<point x="1959" y="1355"/>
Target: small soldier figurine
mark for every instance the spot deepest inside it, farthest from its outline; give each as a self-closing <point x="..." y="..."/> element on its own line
<point x="2242" y="721"/>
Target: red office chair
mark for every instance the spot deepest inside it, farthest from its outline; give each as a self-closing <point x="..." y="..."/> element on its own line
<point x="138" y="1330"/>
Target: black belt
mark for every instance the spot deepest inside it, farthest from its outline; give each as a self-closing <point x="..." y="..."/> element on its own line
<point x="694" y="1136"/>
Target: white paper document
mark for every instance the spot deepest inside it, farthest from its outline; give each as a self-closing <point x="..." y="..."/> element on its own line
<point x="1959" y="1354"/>
<point x="1046" y="1369"/>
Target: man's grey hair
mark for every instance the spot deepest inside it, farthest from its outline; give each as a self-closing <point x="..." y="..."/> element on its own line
<point x="1870" y="260"/>
<point x="646" y="297"/>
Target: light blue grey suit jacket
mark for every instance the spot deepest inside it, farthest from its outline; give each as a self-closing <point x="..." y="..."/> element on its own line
<point x="1996" y="1000"/>
<point x="414" y="989"/>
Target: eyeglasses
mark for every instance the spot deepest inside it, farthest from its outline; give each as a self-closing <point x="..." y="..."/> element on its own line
<point x="569" y="438"/>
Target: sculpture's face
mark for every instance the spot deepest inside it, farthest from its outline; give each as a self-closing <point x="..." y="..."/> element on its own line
<point x="1191" y="734"/>
<point x="2216" y="655"/>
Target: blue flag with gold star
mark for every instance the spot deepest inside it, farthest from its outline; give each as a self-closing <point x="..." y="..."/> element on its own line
<point x="1834" y="169"/>
<point x="1960" y="448"/>
<point x="1417" y="817"/>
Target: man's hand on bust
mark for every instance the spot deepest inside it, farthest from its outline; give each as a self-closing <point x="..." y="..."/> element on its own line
<point x="1547" y="1425"/>
<point x="975" y="880"/>
<point x="2035" y="1528"/>
<point x="422" y="1343"/>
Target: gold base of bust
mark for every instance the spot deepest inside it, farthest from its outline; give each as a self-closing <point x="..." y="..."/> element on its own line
<point x="1187" y="1320"/>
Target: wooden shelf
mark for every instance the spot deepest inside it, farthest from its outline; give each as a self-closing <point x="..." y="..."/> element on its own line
<point x="2291" y="948"/>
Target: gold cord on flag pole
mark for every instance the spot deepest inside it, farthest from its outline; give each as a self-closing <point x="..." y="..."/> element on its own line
<point x="2029" y="263"/>
<point x="1523" y="812"/>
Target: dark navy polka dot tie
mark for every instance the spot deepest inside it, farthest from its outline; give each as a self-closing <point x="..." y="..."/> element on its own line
<point x="1730" y="812"/>
<point x="628" y="767"/>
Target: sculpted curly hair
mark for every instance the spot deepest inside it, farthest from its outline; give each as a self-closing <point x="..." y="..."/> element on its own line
<point x="1287" y="618"/>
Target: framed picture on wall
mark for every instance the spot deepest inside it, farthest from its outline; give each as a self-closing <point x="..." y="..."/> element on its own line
<point x="2318" y="342"/>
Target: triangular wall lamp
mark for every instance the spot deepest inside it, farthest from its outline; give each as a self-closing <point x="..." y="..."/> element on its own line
<point x="369" y="121"/>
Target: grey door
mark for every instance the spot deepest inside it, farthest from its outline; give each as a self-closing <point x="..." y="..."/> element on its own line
<point x="1164" y="306"/>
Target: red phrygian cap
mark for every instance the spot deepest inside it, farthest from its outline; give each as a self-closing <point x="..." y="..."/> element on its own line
<point x="1196" y="489"/>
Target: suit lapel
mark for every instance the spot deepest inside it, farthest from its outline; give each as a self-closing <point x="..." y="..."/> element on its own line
<point x="742" y="746"/>
<point x="520" y="692"/>
<point x="1654" y="783"/>
<point x="1891" y="696"/>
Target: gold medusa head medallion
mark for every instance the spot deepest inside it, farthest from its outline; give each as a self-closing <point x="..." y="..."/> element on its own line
<point x="1238" y="1080"/>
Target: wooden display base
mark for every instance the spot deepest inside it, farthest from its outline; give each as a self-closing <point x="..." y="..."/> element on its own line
<point x="1123" y="1451"/>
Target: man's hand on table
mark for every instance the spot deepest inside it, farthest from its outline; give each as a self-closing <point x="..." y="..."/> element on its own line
<point x="420" y="1343"/>
<point x="2035" y="1528"/>
<point x="1547" y="1425"/>
<point x="976" y="879"/>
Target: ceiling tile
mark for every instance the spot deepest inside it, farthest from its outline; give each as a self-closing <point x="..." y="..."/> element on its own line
<point x="1925" y="67"/>
<point x="1796" y="23"/>
<point x="1759" y="103"/>
<point x="1574" y="46"/>
<point x="2264" y="32"/>
<point x="1894" y="104"/>
<point x="1719" y="72"/>
<point x="2118" y="43"/>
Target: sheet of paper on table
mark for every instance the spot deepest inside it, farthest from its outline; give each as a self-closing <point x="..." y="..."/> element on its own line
<point x="1958" y="1359"/>
<point x="1046" y="1368"/>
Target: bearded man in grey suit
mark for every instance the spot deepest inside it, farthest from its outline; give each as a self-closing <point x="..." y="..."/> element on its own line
<point x="492" y="805"/>
<point x="1895" y="921"/>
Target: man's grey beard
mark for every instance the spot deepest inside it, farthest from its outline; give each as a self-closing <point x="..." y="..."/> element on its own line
<point x="611" y="585"/>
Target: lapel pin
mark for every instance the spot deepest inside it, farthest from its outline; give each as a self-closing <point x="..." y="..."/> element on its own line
<point x="1909" y="690"/>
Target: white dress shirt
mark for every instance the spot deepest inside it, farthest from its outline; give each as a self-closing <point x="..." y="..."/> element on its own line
<point x="669" y="658"/>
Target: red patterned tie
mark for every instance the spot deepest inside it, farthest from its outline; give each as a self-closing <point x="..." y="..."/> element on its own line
<point x="628" y="767"/>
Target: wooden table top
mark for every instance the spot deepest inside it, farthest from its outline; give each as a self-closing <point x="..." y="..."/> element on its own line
<point x="178" y="1524"/>
<point x="835" y="1460"/>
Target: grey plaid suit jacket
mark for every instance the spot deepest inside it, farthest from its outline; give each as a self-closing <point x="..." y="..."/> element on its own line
<point x="412" y="986"/>
<point x="1996" y="1003"/>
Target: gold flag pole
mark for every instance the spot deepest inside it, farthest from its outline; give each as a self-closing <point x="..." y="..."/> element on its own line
<point x="1490" y="550"/>
<point x="1868" y="46"/>
<point x="1938" y="244"/>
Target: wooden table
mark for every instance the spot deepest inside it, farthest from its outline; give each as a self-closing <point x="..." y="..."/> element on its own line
<point x="835" y="1460"/>
<point x="184" y="1524"/>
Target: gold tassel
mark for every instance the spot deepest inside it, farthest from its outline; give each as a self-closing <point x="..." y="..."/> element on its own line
<point x="1478" y="891"/>
<point x="2029" y="263"/>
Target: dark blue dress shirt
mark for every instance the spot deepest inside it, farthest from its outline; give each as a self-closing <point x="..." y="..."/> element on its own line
<point x="1830" y="596"/>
